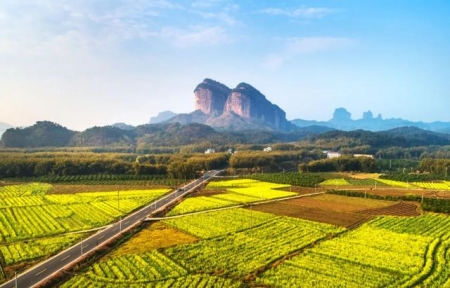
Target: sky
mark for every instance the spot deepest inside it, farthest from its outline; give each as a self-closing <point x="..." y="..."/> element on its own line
<point x="86" y="63"/>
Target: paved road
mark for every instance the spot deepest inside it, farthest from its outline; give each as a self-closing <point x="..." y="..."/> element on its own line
<point x="44" y="270"/>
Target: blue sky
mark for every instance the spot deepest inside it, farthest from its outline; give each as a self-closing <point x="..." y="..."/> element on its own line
<point x="91" y="62"/>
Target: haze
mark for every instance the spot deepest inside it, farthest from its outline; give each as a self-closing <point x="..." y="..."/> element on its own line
<point x="86" y="63"/>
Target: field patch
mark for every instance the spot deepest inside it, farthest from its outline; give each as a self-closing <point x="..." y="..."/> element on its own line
<point x="385" y="252"/>
<point x="238" y="254"/>
<point x="157" y="236"/>
<point x="32" y="221"/>
<point x="326" y="208"/>
<point x="238" y="192"/>
<point x="398" y="209"/>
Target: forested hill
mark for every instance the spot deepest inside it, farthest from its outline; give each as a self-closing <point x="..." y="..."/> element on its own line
<point x="398" y="137"/>
<point x="49" y="134"/>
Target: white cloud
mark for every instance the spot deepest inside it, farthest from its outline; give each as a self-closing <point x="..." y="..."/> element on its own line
<point x="195" y="36"/>
<point x="28" y="28"/>
<point x="307" y="13"/>
<point x="294" y="47"/>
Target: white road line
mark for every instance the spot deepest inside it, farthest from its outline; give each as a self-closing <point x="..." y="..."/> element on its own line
<point x="85" y="245"/>
<point x="65" y="258"/>
<point x="41" y="272"/>
<point x="126" y="222"/>
<point x="115" y="229"/>
<point x="103" y="236"/>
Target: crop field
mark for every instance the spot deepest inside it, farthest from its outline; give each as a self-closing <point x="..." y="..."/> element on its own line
<point x="335" y="182"/>
<point x="386" y="252"/>
<point x="232" y="243"/>
<point x="433" y="185"/>
<point x="238" y="192"/>
<point x="331" y="209"/>
<point x="33" y="224"/>
<point x="398" y="209"/>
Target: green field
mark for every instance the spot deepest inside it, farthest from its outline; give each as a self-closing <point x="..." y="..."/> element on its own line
<point x="246" y="248"/>
<point x="34" y="224"/>
<point x="239" y="191"/>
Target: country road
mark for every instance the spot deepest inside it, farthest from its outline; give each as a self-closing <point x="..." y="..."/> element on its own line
<point x="46" y="269"/>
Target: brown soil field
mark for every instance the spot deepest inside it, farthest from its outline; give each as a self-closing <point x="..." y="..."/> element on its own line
<point x="286" y="208"/>
<point x="303" y="190"/>
<point x="208" y="192"/>
<point x="340" y="203"/>
<point x="398" y="209"/>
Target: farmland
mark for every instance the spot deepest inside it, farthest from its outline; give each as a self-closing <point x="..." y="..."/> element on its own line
<point x="352" y="241"/>
<point x="387" y="251"/>
<point x="237" y="192"/>
<point x="35" y="224"/>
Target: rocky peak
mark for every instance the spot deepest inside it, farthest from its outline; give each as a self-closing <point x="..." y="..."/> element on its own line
<point x="215" y="99"/>
<point x="210" y="97"/>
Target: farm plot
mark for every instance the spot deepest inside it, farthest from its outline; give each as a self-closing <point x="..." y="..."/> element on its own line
<point x="200" y="281"/>
<point x="385" y="252"/>
<point x="30" y="220"/>
<point x="335" y="182"/>
<point x="29" y="250"/>
<point x="432" y="185"/>
<point x="331" y="209"/>
<point x="240" y="253"/>
<point x="238" y="192"/>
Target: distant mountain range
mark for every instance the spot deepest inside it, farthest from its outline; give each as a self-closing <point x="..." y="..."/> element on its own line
<point x="341" y="120"/>
<point x="246" y="108"/>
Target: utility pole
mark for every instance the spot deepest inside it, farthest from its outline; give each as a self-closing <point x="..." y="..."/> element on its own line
<point x="118" y="200"/>
<point x="15" y="279"/>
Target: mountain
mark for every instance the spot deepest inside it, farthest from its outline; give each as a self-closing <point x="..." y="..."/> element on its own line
<point x="4" y="127"/>
<point x="41" y="134"/>
<point x="241" y="108"/>
<point x="103" y="136"/>
<point x="162" y="116"/>
<point x="397" y="137"/>
<point x="123" y="126"/>
<point x="341" y="120"/>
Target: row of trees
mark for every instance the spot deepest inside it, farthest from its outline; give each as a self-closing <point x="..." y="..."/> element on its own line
<point x="340" y="164"/>
<point x="60" y="164"/>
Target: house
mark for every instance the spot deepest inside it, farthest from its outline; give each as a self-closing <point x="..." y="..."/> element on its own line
<point x="331" y="154"/>
<point x="267" y="149"/>
<point x="363" y="155"/>
<point x="210" y="151"/>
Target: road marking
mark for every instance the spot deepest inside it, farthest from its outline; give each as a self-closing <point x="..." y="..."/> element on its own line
<point x="85" y="245"/>
<point x="115" y="229"/>
<point x="41" y="272"/>
<point x="65" y="258"/>
<point x="126" y="222"/>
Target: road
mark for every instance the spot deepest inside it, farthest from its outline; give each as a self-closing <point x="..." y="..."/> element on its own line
<point x="46" y="269"/>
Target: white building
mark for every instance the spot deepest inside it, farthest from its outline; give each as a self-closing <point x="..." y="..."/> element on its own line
<point x="267" y="149"/>
<point x="210" y="150"/>
<point x="331" y="154"/>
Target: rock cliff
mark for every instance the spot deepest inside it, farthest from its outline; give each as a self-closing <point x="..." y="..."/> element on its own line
<point x="218" y="102"/>
<point x="210" y="97"/>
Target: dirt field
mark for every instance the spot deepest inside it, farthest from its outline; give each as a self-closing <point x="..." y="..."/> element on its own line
<point x="287" y="208"/>
<point x="398" y="209"/>
<point x="339" y="210"/>
<point x="340" y="203"/>
<point x="208" y="192"/>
